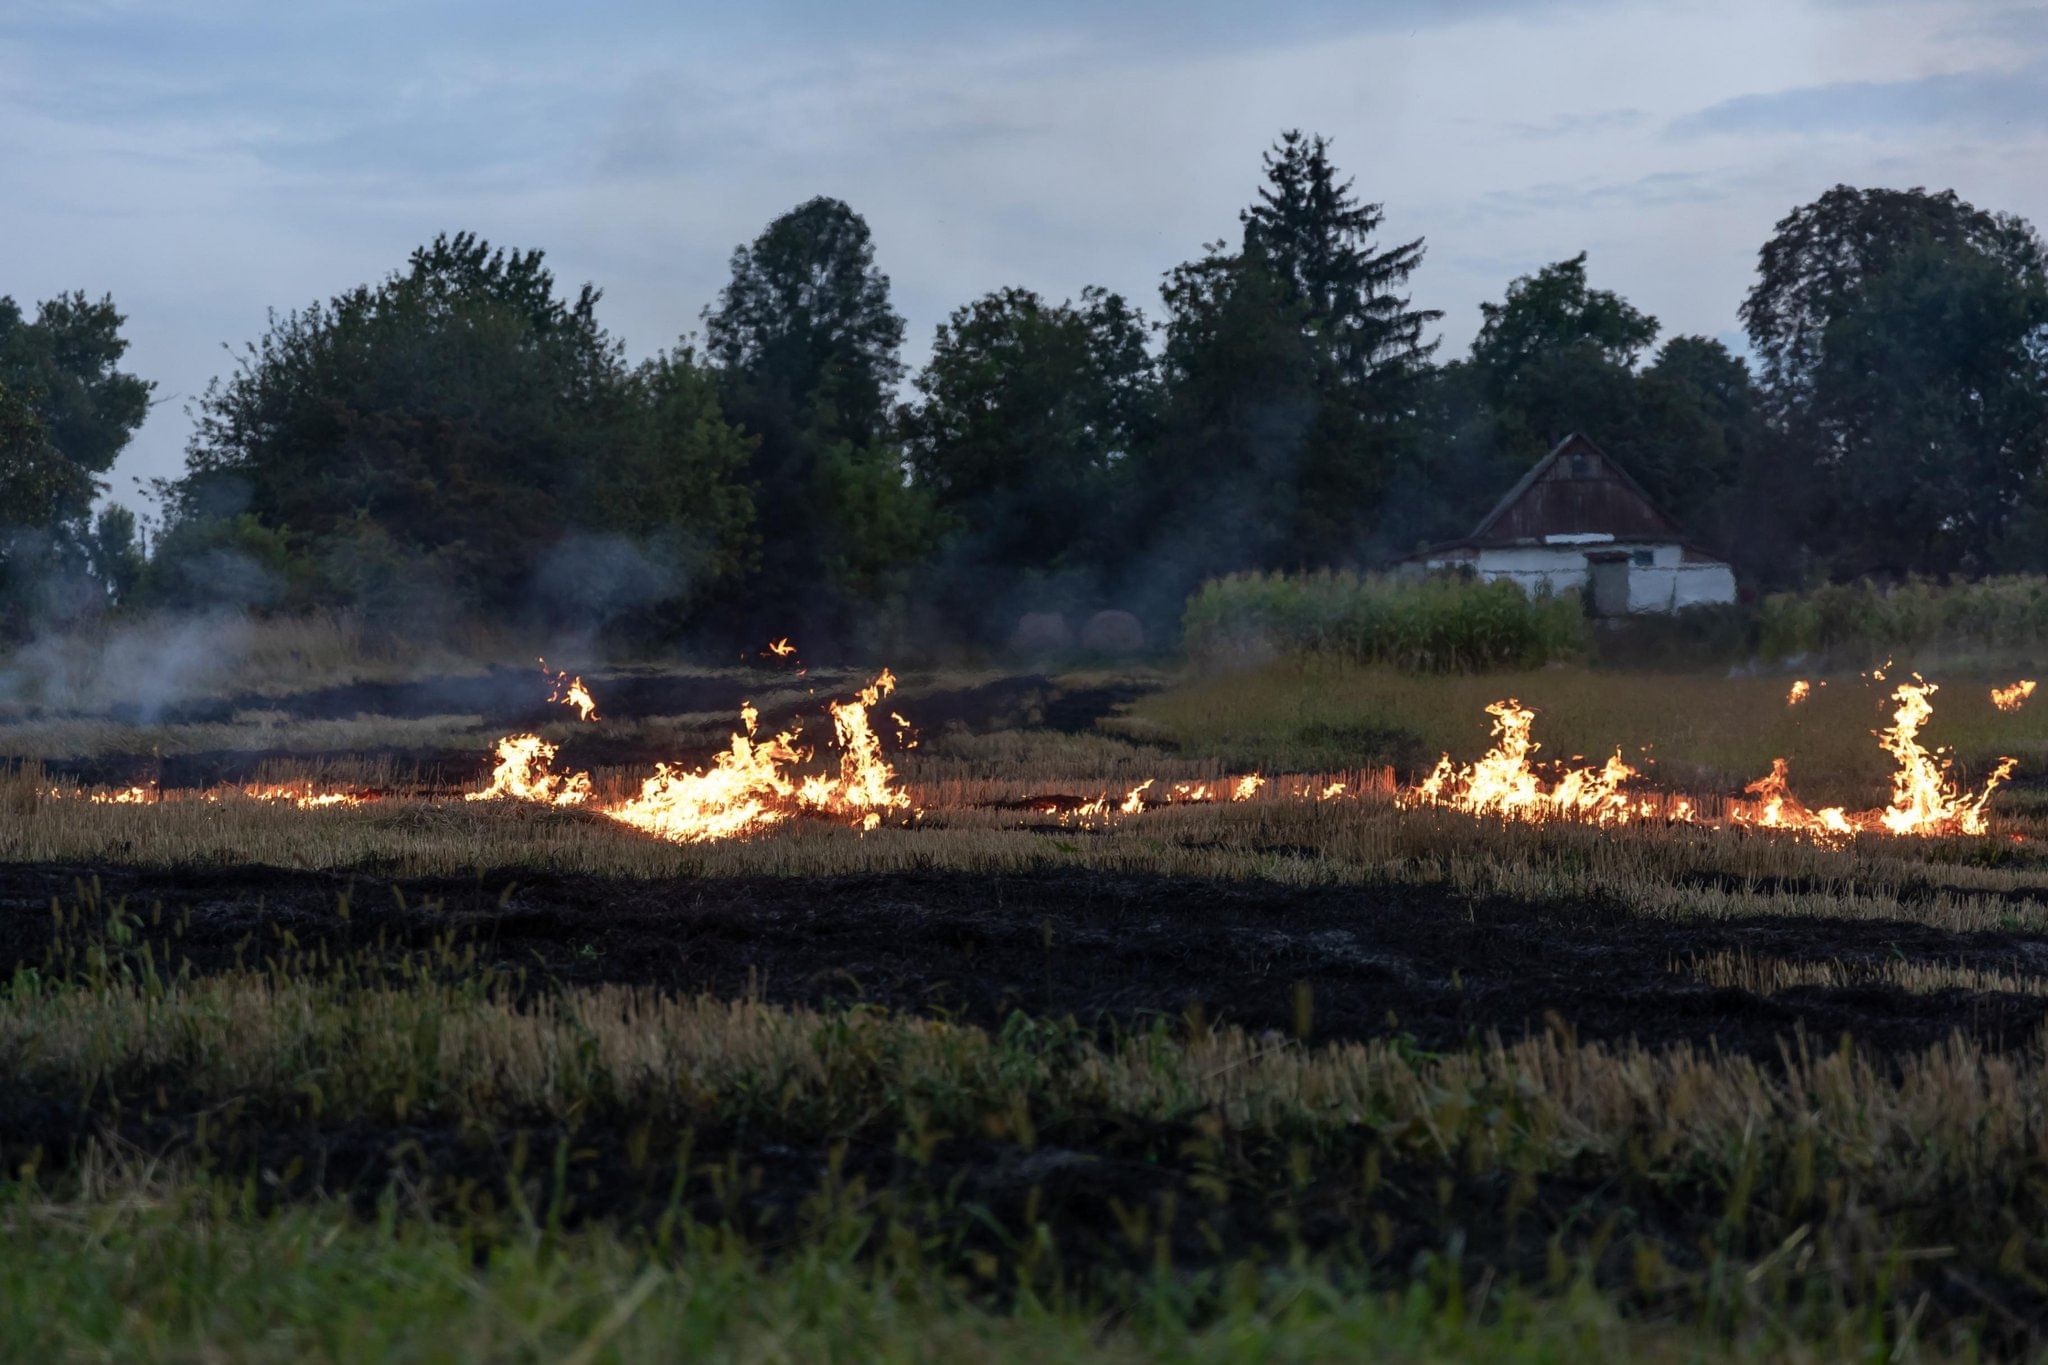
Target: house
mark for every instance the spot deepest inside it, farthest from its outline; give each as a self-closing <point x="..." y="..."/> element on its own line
<point x="1577" y="520"/>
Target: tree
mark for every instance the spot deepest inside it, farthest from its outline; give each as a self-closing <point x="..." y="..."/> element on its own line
<point x="1931" y="399"/>
<point x="66" y="412"/>
<point x="1317" y="237"/>
<point x="1902" y="334"/>
<point x="1820" y="256"/>
<point x="114" y="549"/>
<point x="806" y="343"/>
<point x="444" y="439"/>
<point x="1557" y="355"/>
<point x="1293" y="369"/>
<point x="1028" y="415"/>
<point x="806" y="318"/>
<point x="64" y="365"/>
<point x="1554" y="356"/>
<point x="39" y="486"/>
<point x="1232" y="476"/>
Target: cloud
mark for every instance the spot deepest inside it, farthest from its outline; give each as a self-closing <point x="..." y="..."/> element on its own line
<point x="1581" y="124"/>
<point x="1999" y="102"/>
<point x="1655" y="188"/>
<point x="207" y="159"/>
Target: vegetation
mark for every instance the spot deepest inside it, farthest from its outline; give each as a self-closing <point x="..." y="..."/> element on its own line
<point x="1700" y="731"/>
<point x="66" y="411"/>
<point x="456" y="441"/>
<point x="1443" y="623"/>
<point x="1861" y="622"/>
<point x="325" y="1282"/>
<point x="1795" y="1108"/>
<point x="460" y="438"/>
<point x="616" y="1151"/>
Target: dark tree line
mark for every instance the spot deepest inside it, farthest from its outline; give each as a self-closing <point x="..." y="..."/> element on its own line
<point x="464" y="437"/>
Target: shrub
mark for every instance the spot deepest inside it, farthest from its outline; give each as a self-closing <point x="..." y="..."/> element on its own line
<point x="1435" y="624"/>
<point x="1866" y="619"/>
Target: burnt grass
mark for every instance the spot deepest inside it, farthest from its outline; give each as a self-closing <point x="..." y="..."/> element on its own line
<point x="1084" y="952"/>
<point x="1108" y="951"/>
<point x="511" y="700"/>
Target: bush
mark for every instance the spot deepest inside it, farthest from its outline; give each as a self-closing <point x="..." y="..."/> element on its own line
<point x="1436" y="624"/>
<point x="1871" y="621"/>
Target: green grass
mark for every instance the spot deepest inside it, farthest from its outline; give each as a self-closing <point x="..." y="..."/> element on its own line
<point x="586" y="1170"/>
<point x="1437" y="624"/>
<point x="161" y="1268"/>
<point x="1697" y="731"/>
<point x="1862" y="623"/>
<point x="539" y="1172"/>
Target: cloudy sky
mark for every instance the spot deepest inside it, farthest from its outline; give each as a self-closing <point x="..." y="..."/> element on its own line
<point x="207" y="160"/>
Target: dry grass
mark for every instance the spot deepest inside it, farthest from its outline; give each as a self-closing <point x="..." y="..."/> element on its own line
<point x="1764" y="975"/>
<point x="1827" y="1191"/>
<point x="1671" y="872"/>
<point x="1697" y="732"/>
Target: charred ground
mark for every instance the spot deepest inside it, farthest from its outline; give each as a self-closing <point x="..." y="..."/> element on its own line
<point x="1115" y="952"/>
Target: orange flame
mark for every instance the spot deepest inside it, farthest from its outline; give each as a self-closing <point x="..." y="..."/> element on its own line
<point x="2013" y="697"/>
<point x="304" y="795"/>
<point x="1777" y="808"/>
<point x="1503" y="782"/>
<point x="1925" y="799"/>
<point x="751" y="785"/>
<point x="1801" y="689"/>
<point x="571" y="692"/>
<point x="522" y="775"/>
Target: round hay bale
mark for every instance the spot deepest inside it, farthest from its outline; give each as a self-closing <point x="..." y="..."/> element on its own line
<point x="1113" y="632"/>
<point x="1039" y="633"/>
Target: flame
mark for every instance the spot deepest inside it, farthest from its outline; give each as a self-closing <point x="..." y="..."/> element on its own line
<point x="2013" y="697"/>
<point x="753" y="784"/>
<point x="782" y="648"/>
<point x="304" y="795"/>
<point x="1801" y="689"/>
<point x="1246" y="787"/>
<point x="866" y="781"/>
<point x="744" y="790"/>
<point x="1924" y="799"/>
<point x="571" y="692"/>
<point x="1777" y="808"/>
<point x="522" y="775"/>
<point x="1504" y="783"/>
<point x="1331" y="792"/>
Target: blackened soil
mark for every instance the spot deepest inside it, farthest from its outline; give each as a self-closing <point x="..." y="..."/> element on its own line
<point x="509" y="700"/>
<point x="1107" y="950"/>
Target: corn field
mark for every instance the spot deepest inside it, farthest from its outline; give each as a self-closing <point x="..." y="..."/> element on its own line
<point x="1440" y="624"/>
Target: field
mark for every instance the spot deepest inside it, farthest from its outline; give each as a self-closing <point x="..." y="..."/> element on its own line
<point x="1310" y="1074"/>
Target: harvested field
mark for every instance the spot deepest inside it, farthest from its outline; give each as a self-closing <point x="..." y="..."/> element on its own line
<point x="1026" y="1042"/>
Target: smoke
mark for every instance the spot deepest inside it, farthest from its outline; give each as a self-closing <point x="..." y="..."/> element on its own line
<point x="602" y="577"/>
<point x="135" y="670"/>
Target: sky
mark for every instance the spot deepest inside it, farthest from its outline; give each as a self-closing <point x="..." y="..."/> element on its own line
<point x="207" y="161"/>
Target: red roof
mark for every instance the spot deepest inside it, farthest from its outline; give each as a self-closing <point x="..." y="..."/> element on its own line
<point x="1577" y="489"/>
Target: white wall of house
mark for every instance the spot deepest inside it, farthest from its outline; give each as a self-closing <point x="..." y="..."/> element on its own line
<point x="1666" y="583"/>
<point x="1669" y="587"/>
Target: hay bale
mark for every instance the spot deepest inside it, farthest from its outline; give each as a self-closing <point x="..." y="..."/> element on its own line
<point x="1113" y="632"/>
<point x="1039" y="633"/>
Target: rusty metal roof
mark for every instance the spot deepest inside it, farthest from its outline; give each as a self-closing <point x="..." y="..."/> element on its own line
<point x="1576" y="489"/>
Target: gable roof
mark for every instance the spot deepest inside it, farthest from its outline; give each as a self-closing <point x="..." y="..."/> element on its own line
<point x="1590" y="495"/>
